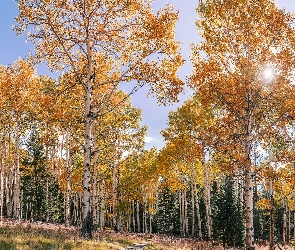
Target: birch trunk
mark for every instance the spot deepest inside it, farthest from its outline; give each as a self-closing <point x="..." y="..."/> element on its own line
<point x="133" y="216"/>
<point x="185" y="214"/>
<point x="3" y="156"/>
<point x="249" y="193"/>
<point x="193" y="210"/>
<point x="102" y="205"/>
<point x="47" y="184"/>
<point x="284" y="227"/>
<point x="95" y="212"/>
<point x="289" y="224"/>
<point x="86" y="213"/>
<point x="144" y="217"/>
<point x="195" y="198"/>
<point x="181" y="212"/>
<point x="137" y="216"/>
<point x="68" y="181"/>
<point x="114" y="196"/>
<point x="151" y="218"/>
<point x="16" y="191"/>
<point x="8" y="191"/>
<point x="272" y="224"/>
<point x="207" y="198"/>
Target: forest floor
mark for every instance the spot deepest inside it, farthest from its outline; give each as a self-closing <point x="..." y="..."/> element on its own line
<point x="39" y="236"/>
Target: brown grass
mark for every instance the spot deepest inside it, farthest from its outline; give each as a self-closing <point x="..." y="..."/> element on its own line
<point x="26" y="236"/>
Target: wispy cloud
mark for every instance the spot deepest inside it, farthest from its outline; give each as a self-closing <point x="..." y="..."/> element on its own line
<point x="148" y="139"/>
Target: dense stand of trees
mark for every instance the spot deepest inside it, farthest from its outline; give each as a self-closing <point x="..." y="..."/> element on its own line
<point x="185" y="189"/>
<point x="72" y="149"/>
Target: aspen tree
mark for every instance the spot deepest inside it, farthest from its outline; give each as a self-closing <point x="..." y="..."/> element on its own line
<point x="70" y="35"/>
<point x="242" y="40"/>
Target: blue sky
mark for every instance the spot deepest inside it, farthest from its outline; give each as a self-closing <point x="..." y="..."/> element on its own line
<point x="154" y="116"/>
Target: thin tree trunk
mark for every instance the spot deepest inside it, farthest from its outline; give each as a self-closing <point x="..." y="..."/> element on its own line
<point x="137" y="216"/>
<point x="249" y="192"/>
<point x="68" y="181"/>
<point x="8" y="190"/>
<point x="47" y="185"/>
<point x="193" y="210"/>
<point x="284" y="227"/>
<point x="114" y="195"/>
<point x="151" y="218"/>
<point x="294" y="216"/>
<point x="272" y="225"/>
<point x="195" y="194"/>
<point x="102" y="205"/>
<point x="185" y="214"/>
<point x="95" y="183"/>
<point x="144" y="216"/>
<point x="181" y="212"/>
<point x="133" y="216"/>
<point x="16" y="191"/>
<point x="88" y="116"/>
<point x="207" y="198"/>
<point x="3" y="156"/>
<point x="289" y="224"/>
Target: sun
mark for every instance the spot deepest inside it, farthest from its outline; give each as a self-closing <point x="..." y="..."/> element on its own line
<point x="268" y="74"/>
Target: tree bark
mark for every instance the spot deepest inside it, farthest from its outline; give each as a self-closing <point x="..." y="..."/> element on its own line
<point x="3" y="156"/>
<point x="207" y="197"/>
<point x="137" y="216"/>
<point x="114" y="196"/>
<point x="16" y="191"/>
<point x="193" y="209"/>
<point x="47" y="184"/>
<point x="284" y="227"/>
<point x="196" y="201"/>
<point x="95" y="213"/>
<point x="102" y="204"/>
<point x="68" y="181"/>
<point x="88" y="116"/>
<point x="133" y="216"/>
<point x="272" y="223"/>
<point x="294" y="217"/>
<point x="249" y="194"/>
<point x="185" y="214"/>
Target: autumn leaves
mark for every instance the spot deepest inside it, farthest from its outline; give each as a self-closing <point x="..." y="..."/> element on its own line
<point x="100" y="44"/>
<point x="239" y="40"/>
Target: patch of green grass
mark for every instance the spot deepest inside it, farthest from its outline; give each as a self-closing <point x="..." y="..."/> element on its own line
<point x="16" y="238"/>
<point x="122" y="241"/>
<point x="55" y="237"/>
<point x="7" y="245"/>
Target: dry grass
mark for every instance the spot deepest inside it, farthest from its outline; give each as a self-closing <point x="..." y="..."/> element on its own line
<point x="27" y="236"/>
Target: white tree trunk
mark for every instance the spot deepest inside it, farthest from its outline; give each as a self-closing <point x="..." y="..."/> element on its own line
<point x="47" y="184"/>
<point x="195" y="201"/>
<point x="207" y="198"/>
<point x="88" y="116"/>
<point x="114" y="195"/>
<point x="137" y="216"/>
<point x="272" y="223"/>
<point x="95" y="210"/>
<point x="68" y="181"/>
<point x="284" y="227"/>
<point x="3" y="156"/>
<point x="102" y="205"/>
<point x="133" y="216"/>
<point x="249" y="193"/>
<point x="16" y="191"/>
